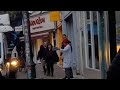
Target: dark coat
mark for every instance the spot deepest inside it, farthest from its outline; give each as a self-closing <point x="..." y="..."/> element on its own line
<point x="114" y="69"/>
<point x="42" y="52"/>
<point x="51" y="57"/>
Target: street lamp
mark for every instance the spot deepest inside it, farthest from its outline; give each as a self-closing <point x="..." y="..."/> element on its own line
<point x="28" y="47"/>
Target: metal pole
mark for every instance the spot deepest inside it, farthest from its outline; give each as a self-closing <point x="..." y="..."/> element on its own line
<point x="28" y="49"/>
<point x="102" y="46"/>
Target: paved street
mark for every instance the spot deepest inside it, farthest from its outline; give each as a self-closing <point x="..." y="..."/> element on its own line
<point x="58" y="73"/>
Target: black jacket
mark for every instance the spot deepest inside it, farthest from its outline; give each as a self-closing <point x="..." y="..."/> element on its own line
<point x="51" y="57"/>
<point x="42" y="53"/>
<point x="114" y="69"/>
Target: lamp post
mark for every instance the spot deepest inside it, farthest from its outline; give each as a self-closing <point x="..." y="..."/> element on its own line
<point x="31" y="72"/>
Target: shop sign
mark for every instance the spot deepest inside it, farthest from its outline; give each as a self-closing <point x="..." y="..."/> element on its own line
<point x="41" y="23"/>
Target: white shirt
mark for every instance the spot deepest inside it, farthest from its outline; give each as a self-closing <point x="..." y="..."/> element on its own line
<point x="67" y="56"/>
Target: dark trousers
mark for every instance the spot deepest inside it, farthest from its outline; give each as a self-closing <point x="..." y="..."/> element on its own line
<point x="44" y="65"/>
<point x="68" y="73"/>
<point x="50" y="68"/>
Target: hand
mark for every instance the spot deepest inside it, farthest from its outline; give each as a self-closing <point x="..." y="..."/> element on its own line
<point x="56" y="48"/>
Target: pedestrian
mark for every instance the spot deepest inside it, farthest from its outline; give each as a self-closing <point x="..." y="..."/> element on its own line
<point x="114" y="69"/>
<point x="67" y="59"/>
<point x="62" y="46"/>
<point x="41" y="55"/>
<point x="51" y="59"/>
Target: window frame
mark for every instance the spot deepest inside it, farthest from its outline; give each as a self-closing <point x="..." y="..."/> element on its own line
<point x="92" y="39"/>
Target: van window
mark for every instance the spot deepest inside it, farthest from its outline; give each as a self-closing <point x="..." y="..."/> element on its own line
<point x="15" y="54"/>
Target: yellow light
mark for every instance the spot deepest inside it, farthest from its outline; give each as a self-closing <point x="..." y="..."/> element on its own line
<point x="118" y="47"/>
<point x="0" y="69"/>
<point x="8" y="64"/>
<point x="14" y="63"/>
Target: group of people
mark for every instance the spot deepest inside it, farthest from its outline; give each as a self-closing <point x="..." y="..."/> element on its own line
<point x="48" y="56"/>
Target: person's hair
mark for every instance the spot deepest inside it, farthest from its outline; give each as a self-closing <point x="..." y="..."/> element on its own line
<point x="50" y="45"/>
<point x="44" y="42"/>
<point x="64" y="35"/>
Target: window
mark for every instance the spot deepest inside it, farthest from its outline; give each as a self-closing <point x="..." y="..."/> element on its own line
<point x="95" y="33"/>
<point x="0" y="50"/>
<point x="15" y="55"/>
<point x="89" y="41"/>
<point x="92" y="39"/>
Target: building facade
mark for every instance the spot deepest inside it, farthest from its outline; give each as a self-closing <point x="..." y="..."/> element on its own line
<point x="41" y="29"/>
<point x="89" y="32"/>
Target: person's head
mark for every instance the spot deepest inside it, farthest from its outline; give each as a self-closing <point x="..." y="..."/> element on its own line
<point x="49" y="46"/>
<point x="64" y="36"/>
<point x="45" y="44"/>
<point x="66" y="42"/>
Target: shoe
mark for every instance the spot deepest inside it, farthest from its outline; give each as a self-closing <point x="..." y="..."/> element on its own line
<point x="51" y="75"/>
<point x="39" y="62"/>
<point x="64" y="78"/>
<point x="71" y="77"/>
<point x="48" y="74"/>
<point x="44" y="73"/>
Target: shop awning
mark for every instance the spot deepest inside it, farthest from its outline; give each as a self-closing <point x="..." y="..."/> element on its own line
<point x="35" y="35"/>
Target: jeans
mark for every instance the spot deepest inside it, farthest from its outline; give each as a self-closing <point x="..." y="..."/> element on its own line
<point x="50" y="68"/>
<point x="44" y="65"/>
<point x="68" y="73"/>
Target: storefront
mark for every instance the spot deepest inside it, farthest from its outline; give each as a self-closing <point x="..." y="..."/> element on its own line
<point x="89" y="33"/>
<point x="41" y="31"/>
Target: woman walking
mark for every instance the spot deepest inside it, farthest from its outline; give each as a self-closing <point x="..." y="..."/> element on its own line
<point x="67" y="59"/>
<point x="51" y="59"/>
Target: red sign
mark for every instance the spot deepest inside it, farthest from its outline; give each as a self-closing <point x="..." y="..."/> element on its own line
<point x="37" y="21"/>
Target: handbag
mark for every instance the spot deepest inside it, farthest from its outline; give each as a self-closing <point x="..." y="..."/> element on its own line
<point x="56" y="58"/>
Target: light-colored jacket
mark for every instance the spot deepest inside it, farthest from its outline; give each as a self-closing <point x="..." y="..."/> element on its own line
<point x="67" y="56"/>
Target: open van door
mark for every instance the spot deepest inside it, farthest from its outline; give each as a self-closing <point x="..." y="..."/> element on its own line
<point x="1" y="49"/>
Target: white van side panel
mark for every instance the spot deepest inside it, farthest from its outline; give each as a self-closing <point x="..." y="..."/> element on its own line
<point x="1" y="49"/>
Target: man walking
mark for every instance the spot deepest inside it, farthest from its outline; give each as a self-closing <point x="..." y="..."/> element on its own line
<point x="42" y="54"/>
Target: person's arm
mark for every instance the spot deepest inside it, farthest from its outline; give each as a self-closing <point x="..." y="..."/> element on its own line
<point x="38" y="56"/>
<point x="39" y="53"/>
<point x="65" y="49"/>
<point x="45" y="54"/>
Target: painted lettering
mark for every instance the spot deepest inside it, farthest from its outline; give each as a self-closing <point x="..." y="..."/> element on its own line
<point x="37" y="21"/>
